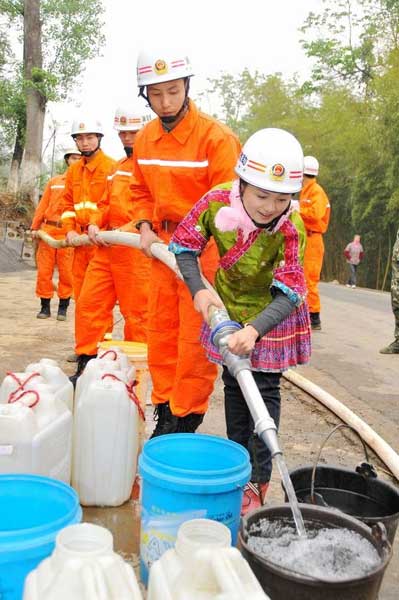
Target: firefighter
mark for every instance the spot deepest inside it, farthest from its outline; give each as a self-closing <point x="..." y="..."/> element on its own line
<point x="315" y="212"/>
<point x="393" y="347"/>
<point x="115" y="273"/>
<point x="177" y="157"/>
<point x="84" y="186"/>
<point x="47" y="217"/>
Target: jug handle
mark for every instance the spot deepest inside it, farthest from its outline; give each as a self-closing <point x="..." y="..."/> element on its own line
<point x="365" y="468"/>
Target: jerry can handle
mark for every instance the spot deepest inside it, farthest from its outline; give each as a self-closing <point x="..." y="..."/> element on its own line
<point x="365" y="468"/>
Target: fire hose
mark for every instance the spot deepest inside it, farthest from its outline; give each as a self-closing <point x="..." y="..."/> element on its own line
<point x="219" y="322"/>
<point x="239" y="367"/>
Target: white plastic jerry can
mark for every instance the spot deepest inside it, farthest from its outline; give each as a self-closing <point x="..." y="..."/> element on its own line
<point x="55" y="377"/>
<point x="36" y="436"/>
<point x="83" y="566"/>
<point x="108" y="362"/>
<point x="106" y="438"/>
<point x="116" y="354"/>
<point x="15" y="383"/>
<point x="203" y="566"/>
<point x="45" y="371"/>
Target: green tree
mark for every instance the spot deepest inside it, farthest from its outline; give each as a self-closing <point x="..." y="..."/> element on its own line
<point x="57" y="38"/>
<point x="348" y="40"/>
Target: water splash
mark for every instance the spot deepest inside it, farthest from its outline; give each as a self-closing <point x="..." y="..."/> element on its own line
<point x="292" y="499"/>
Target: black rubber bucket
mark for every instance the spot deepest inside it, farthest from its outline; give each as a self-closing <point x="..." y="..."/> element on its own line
<point x="282" y="584"/>
<point x="366" y="498"/>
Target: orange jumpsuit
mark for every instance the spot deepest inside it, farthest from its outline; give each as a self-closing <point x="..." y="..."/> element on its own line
<point x="84" y="187"/>
<point x="315" y="212"/>
<point x="47" y="217"/>
<point x="172" y="170"/>
<point x="114" y="273"/>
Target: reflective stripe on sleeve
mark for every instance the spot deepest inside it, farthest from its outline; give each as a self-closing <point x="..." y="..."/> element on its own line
<point x="68" y="214"/>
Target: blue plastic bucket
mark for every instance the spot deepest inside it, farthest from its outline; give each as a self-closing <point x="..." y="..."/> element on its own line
<point x="188" y="476"/>
<point x="33" y="509"/>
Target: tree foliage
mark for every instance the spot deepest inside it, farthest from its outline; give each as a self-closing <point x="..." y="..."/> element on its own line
<point x="348" y="116"/>
<point x="71" y="35"/>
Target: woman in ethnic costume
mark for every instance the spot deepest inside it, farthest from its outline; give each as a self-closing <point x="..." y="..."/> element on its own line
<point x="261" y="240"/>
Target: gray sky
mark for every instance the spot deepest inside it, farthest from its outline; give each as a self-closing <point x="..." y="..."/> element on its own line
<point x="217" y="35"/>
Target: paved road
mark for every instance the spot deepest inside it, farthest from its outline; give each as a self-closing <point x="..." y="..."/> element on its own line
<point x="356" y="323"/>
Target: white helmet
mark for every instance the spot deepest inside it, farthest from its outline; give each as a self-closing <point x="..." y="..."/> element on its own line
<point x="128" y="119"/>
<point x="310" y="165"/>
<point x="69" y="151"/>
<point x="272" y="159"/>
<point x="86" y="125"/>
<point x="158" y="67"/>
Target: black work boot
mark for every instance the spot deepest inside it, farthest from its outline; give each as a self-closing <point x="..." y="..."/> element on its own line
<point x="166" y="422"/>
<point x="315" y="322"/>
<point x="393" y="348"/>
<point x="62" y="309"/>
<point x="189" y="423"/>
<point x="83" y="359"/>
<point x="44" y="312"/>
<point x="72" y="358"/>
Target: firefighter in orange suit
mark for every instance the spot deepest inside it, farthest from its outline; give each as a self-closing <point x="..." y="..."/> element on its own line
<point x="115" y="272"/>
<point x="177" y="158"/>
<point x="47" y="217"/>
<point x="85" y="184"/>
<point x="315" y="212"/>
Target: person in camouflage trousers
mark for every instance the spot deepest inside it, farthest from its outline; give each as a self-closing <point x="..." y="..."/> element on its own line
<point x="393" y="348"/>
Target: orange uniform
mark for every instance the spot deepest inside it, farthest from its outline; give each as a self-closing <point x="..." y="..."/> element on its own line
<point x="114" y="273"/>
<point x="47" y="217"/>
<point x="84" y="187"/>
<point x="315" y="213"/>
<point x="172" y="170"/>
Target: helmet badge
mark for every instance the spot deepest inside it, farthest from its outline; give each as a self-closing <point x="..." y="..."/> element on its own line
<point x="277" y="171"/>
<point x="160" y="67"/>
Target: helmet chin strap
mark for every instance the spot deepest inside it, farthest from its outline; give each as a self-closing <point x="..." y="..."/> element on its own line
<point x="88" y="153"/>
<point x="269" y="225"/>
<point x="169" y="120"/>
<point x="128" y="151"/>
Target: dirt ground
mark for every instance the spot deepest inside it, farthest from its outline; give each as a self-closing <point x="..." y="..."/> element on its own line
<point x="304" y="423"/>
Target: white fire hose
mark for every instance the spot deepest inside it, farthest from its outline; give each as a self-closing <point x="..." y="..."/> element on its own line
<point x="262" y="422"/>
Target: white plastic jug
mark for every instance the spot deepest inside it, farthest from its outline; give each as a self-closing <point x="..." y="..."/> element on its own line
<point x="18" y="382"/>
<point x="106" y="437"/>
<point x="45" y="371"/>
<point x="98" y="367"/>
<point x="55" y="377"/>
<point x="36" y="439"/>
<point x="114" y="353"/>
<point x="83" y="566"/>
<point x="203" y="566"/>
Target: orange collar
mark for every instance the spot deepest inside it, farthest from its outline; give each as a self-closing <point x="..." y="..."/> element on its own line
<point x="182" y="131"/>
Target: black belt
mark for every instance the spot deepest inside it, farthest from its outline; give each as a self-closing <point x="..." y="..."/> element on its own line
<point x="54" y="223"/>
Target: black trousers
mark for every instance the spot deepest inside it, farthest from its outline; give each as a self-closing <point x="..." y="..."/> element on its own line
<point x="240" y="425"/>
